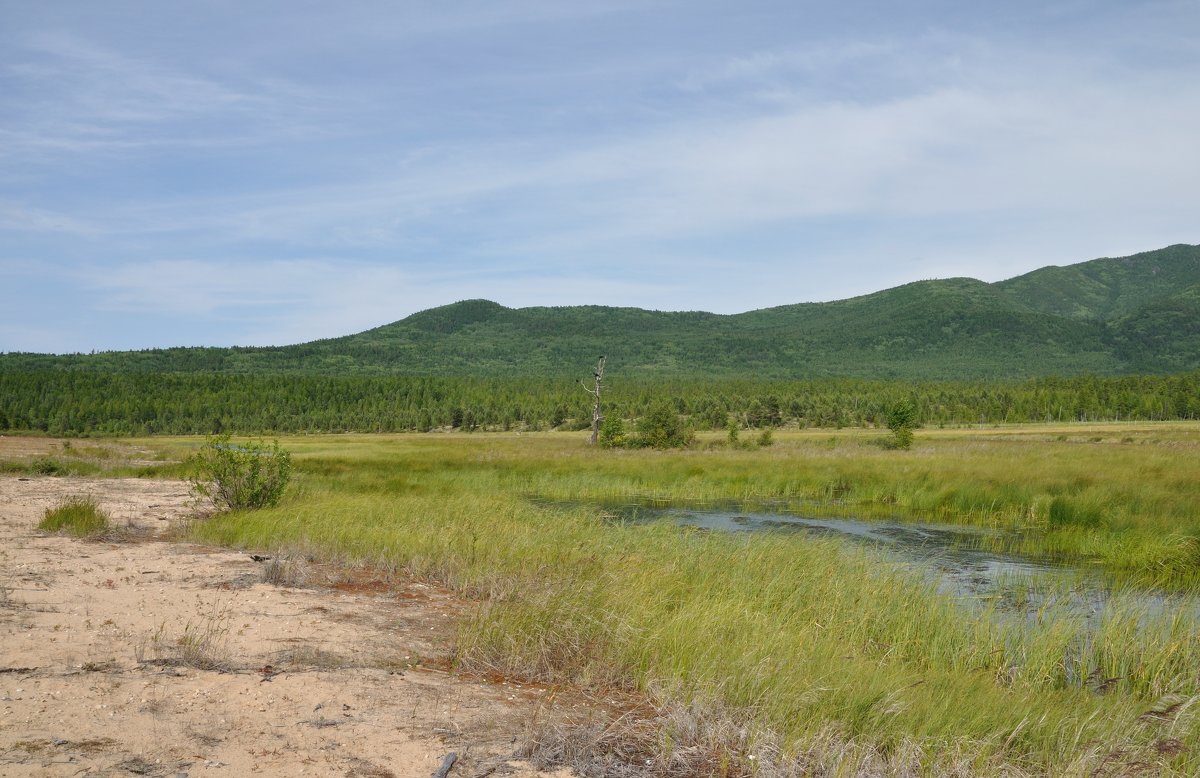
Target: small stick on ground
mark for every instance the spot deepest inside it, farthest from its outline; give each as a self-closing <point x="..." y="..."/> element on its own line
<point x="447" y="764"/>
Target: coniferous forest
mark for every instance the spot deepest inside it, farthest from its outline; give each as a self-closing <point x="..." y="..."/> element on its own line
<point x="85" y="403"/>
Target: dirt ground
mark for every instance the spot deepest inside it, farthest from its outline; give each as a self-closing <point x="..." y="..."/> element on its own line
<point x="160" y="658"/>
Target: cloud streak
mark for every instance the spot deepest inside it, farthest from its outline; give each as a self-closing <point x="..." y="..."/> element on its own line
<point x="67" y="95"/>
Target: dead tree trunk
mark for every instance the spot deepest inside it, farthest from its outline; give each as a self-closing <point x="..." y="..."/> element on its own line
<point x="595" y="393"/>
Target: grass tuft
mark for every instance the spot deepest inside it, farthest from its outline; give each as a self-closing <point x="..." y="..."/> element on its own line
<point x="202" y="644"/>
<point x="286" y="571"/>
<point x="79" y="516"/>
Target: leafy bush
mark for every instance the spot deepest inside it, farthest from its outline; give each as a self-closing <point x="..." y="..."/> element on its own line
<point x="247" y="475"/>
<point x="78" y="516"/>
<point x="661" y="427"/>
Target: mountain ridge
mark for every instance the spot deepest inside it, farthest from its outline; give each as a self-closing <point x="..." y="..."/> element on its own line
<point x="1106" y="316"/>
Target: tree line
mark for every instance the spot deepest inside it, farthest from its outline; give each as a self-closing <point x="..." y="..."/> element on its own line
<point x="90" y="402"/>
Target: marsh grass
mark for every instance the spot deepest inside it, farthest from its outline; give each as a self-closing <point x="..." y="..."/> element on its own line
<point x="1134" y="509"/>
<point x="80" y="516"/>
<point x="820" y="654"/>
<point x="794" y="636"/>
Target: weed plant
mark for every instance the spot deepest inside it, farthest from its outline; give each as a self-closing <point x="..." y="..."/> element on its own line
<point x="79" y="516"/>
<point x="203" y="643"/>
<point x="804" y="643"/>
<point x="285" y="571"/>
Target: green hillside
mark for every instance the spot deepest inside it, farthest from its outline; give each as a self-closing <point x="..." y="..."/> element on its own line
<point x="1105" y="289"/>
<point x="1162" y="336"/>
<point x="1107" y="316"/>
<point x="954" y="328"/>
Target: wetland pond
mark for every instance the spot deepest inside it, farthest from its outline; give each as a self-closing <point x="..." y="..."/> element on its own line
<point x="960" y="559"/>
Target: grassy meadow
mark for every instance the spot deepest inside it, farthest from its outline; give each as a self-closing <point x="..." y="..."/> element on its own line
<point x="811" y="652"/>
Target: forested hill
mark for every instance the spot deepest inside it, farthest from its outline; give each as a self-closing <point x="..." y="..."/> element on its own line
<point x="1137" y="314"/>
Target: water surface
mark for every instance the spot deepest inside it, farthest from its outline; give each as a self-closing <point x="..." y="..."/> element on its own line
<point x="960" y="559"/>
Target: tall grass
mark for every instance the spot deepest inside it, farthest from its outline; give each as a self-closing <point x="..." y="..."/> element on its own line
<point x="799" y="638"/>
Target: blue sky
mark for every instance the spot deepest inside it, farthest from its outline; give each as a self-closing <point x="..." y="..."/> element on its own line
<point x="254" y="173"/>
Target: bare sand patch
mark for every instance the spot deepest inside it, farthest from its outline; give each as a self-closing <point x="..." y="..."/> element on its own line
<point x="162" y="658"/>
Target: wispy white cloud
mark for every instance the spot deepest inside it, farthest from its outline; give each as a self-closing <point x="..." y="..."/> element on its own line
<point x="111" y="87"/>
<point x="66" y="94"/>
<point x="1031" y="144"/>
<point x="18" y="217"/>
<point x="548" y="153"/>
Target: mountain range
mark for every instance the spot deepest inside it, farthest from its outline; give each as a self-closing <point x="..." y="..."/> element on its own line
<point x="1135" y="314"/>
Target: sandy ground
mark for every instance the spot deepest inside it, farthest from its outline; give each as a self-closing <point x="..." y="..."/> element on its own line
<point x="164" y="658"/>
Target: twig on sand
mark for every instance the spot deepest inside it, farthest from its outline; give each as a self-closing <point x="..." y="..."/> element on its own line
<point x="447" y="763"/>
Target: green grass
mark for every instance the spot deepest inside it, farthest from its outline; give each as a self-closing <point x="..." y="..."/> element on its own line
<point x="801" y="640"/>
<point x="1132" y="507"/>
<point x="79" y="516"/>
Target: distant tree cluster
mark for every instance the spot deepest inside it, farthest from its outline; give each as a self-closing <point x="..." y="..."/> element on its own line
<point x="91" y="402"/>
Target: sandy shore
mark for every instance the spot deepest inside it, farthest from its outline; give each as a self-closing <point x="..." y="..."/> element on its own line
<point x="162" y="658"/>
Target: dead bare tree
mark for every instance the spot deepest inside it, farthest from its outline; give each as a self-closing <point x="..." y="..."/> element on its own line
<point x="596" y="417"/>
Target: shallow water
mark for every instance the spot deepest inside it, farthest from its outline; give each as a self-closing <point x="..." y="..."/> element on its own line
<point x="956" y="557"/>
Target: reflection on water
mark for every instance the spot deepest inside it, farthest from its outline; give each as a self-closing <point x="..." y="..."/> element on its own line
<point x="956" y="557"/>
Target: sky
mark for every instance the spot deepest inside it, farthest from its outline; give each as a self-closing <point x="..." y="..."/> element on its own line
<point x="270" y="172"/>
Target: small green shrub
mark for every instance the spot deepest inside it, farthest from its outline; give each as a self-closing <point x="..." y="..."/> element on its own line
<point x="661" y="427"/>
<point x="731" y="431"/>
<point x="901" y="420"/>
<point x="612" y="432"/>
<point x="79" y="516"/>
<point x="766" y="438"/>
<point x="248" y="475"/>
<point x="47" y="466"/>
